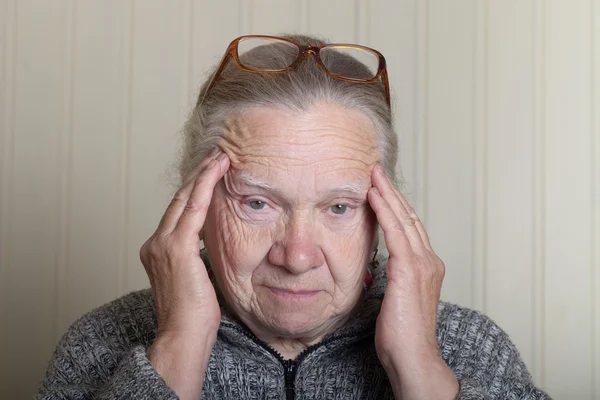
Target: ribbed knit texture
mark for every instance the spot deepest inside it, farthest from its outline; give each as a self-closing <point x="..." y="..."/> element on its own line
<point x="103" y="356"/>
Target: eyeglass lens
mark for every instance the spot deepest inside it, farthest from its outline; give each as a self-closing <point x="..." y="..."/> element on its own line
<point x="274" y="54"/>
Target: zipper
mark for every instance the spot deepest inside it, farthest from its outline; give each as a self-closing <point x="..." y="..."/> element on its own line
<point x="290" y="367"/>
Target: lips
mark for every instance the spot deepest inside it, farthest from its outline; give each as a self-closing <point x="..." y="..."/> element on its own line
<point x="293" y="292"/>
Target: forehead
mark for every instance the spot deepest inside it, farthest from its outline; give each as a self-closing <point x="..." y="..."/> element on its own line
<point x="327" y="138"/>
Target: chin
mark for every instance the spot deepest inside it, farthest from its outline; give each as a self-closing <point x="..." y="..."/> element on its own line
<point x="294" y="319"/>
<point x="296" y="324"/>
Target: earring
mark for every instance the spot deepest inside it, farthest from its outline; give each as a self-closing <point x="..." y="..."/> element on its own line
<point x="201" y="237"/>
<point x="374" y="261"/>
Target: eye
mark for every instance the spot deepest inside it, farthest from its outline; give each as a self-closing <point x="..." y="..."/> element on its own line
<point x="339" y="209"/>
<point x="256" y="204"/>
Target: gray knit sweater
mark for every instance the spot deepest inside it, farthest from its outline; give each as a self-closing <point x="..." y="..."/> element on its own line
<point x="103" y="356"/>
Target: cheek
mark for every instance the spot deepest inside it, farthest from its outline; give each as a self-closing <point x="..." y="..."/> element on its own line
<point x="349" y="253"/>
<point x="234" y="245"/>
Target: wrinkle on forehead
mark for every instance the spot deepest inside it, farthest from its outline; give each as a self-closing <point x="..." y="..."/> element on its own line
<point x="327" y="133"/>
<point x="251" y="181"/>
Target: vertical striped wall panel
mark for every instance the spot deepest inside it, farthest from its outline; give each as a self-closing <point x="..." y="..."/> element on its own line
<point x="448" y="140"/>
<point x="509" y="170"/>
<point x="497" y="107"/>
<point x="567" y="197"/>
<point x="30" y="195"/>
<point x="100" y="71"/>
<point x="595" y="236"/>
<point x="159" y="59"/>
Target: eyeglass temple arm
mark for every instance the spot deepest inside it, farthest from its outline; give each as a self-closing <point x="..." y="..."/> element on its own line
<point x="386" y="84"/>
<point x="217" y="73"/>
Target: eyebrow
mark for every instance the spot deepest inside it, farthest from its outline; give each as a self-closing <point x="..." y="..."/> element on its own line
<point x="251" y="181"/>
<point x="351" y="187"/>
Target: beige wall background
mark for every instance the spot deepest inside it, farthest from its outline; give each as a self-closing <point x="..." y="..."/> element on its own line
<point x="497" y="107"/>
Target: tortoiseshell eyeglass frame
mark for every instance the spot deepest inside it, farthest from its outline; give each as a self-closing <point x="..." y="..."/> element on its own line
<point x="232" y="52"/>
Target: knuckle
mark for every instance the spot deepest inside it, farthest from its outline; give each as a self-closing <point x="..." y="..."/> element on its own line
<point x="153" y="256"/>
<point x="441" y="268"/>
<point x="158" y="250"/>
<point x="396" y="226"/>
<point x="143" y="254"/>
<point x="442" y="273"/>
<point x="200" y="180"/>
<point x="145" y="249"/>
<point x="194" y="206"/>
<point x="179" y="197"/>
<point x="161" y="254"/>
<point x="411" y="212"/>
<point x="409" y="221"/>
<point x="432" y="269"/>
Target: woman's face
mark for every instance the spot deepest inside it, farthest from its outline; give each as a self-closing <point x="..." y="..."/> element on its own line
<point x="289" y="231"/>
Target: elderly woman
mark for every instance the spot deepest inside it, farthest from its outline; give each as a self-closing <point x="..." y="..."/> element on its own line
<point x="288" y="174"/>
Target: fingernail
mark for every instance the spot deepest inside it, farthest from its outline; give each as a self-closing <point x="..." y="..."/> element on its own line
<point x="212" y="164"/>
<point x="221" y="157"/>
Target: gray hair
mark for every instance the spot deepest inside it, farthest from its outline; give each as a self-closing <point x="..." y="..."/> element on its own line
<point x="297" y="90"/>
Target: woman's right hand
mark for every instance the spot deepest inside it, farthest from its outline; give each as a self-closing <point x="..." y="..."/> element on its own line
<point x="186" y="304"/>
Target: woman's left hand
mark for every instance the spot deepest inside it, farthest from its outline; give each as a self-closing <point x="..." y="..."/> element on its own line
<point x="405" y="337"/>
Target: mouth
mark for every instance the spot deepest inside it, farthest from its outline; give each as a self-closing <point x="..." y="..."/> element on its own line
<point x="294" y="294"/>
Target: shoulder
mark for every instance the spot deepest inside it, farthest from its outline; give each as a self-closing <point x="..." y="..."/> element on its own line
<point x="114" y="326"/>
<point x="104" y="341"/>
<point x="470" y="340"/>
<point x="471" y="329"/>
<point x="459" y="322"/>
<point x="482" y="356"/>
<point x="450" y="313"/>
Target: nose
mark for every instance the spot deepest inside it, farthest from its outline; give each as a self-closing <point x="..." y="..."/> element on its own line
<point x="298" y="250"/>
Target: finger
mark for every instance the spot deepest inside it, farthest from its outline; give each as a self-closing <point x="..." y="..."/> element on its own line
<point x="196" y="171"/>
<point x="411" y="212"/>
<point x="396" y="241"/>
<point x="418" y="223"/>
<point x="194" y="214"/>
<point x="173" y="212"/>
<point x="391" y="195"/>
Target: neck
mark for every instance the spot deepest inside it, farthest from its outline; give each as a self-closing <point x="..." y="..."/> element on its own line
<point x="291" y="348"/>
